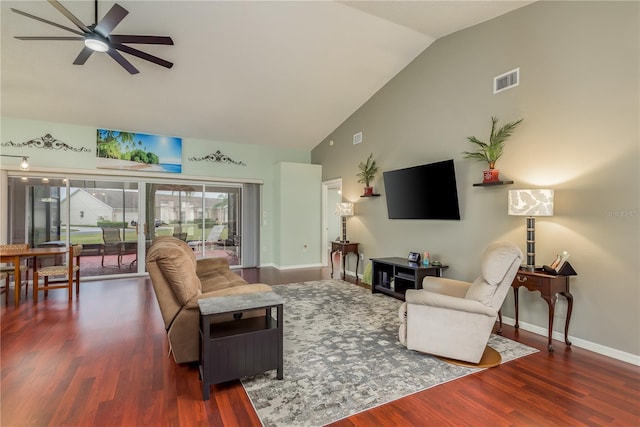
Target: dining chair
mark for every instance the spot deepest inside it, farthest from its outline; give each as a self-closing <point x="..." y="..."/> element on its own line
<point x="9" y="270"/>
<point x="59" y="270"/>
<point x="5" y="288"/>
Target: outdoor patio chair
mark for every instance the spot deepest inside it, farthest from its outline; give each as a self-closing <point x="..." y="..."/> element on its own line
<point x="181" y="236"/>
<point x="111" y="243"/>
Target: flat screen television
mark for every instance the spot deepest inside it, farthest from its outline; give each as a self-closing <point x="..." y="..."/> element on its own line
<point x="422" y="192"/>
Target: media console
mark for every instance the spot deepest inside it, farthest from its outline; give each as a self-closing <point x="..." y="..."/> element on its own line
<point x="393" y="276"/>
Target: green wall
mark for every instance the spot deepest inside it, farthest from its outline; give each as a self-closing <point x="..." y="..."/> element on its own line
<point x="578" y="94"/>
<point x="298" y="215"/>
<point x="261" y="164"/>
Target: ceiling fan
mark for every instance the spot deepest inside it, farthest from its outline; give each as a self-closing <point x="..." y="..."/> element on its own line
<point x="98" y="37"/>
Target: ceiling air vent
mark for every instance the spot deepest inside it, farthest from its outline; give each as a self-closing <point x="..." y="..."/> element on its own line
<point x="506" y="81"/>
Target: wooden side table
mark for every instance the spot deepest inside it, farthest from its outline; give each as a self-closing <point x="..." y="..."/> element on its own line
<point x="549" y="287"/>
<point x="344" y="249"/>
<point x="243" y="346"/>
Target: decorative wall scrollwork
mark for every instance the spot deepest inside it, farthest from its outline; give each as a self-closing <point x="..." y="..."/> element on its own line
<point x="217" y="157"/>
<point x="46" y="142"/>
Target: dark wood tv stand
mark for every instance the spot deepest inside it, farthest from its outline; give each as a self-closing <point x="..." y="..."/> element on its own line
<point x="393" y="276"/>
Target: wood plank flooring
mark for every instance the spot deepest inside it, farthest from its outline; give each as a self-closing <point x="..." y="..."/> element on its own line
<point x="102" y="360"/>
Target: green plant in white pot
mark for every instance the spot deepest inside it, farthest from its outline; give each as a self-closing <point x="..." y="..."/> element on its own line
<point x="491" y="152"/>
<point x="368" y="171"/>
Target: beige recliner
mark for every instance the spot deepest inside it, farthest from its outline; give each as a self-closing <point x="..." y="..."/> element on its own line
<point x="454" y="319"/>
<point x="179" y="281"/>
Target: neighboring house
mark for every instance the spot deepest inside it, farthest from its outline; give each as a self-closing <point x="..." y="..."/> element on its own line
<point x="124" y="203"/>
<point x="87" y="209"/>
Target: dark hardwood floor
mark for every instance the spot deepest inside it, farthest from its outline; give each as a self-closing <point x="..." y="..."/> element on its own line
<point x="102" y="360"/>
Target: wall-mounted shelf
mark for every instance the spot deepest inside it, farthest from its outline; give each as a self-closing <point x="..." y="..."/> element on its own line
<point x="490" y="184"/>
<point x="371" y="195"/>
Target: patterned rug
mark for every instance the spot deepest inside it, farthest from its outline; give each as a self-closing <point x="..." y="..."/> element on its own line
<point x="342" y="356"/>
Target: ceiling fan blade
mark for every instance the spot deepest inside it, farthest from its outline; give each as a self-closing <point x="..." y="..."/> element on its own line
<point x="143" y="55"/>
<point x="47" y="38"/>
<point x="122" y="61"/>
<point x="70" y="16"/>
<point x="28" y="15"/>
<point x="85" y="53"/>
<point x="141" y="39"/>
<point x="111" y="20"/>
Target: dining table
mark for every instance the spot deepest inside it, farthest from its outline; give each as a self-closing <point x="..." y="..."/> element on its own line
<point x="14" y="255"/>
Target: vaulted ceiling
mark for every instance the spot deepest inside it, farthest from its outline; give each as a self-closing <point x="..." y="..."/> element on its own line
<point x="281" y="73"/>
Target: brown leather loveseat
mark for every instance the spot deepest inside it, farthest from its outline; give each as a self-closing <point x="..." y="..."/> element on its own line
<point x="179" y="281"/>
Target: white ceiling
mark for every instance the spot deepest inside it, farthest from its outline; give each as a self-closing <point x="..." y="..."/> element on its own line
<point x="280" y="73"/>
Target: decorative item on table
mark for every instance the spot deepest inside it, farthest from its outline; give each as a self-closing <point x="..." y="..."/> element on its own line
<point x="491" y="152"/>
<point x="368" y="171"/>
<point x="436" y="263"/>
<point x="531" y="203"/>
<point x="344" y="210"/>
<point x="560" y="266"/>
<point x="413" y="257"/>
<point x="426" y="259"/>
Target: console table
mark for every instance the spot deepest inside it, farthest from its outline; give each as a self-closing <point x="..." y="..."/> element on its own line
<point x="242" y="346"/>
<point x="393" y="276"/>
<point x="344" y="249"/>
<point x="549" y="287"/>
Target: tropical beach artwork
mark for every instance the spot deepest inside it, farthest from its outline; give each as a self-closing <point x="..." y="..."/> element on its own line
<point x="138" y="151"/>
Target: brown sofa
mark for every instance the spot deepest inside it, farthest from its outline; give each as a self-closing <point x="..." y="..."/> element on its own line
<point x="179" y="281"/>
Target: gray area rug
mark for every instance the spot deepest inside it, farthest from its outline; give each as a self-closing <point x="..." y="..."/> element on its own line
<point x="342" y="356"/>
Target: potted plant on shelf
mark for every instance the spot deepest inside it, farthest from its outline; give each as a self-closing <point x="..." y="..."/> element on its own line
<point x="367" y="173"/>
<point x="492" y="151"/>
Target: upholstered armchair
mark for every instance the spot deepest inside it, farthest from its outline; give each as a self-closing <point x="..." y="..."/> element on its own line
<point x="454" y="319"/>
<point x="179" y="281"/>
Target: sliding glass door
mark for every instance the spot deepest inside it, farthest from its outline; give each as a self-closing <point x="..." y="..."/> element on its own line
<point x="207" y="217"/>
<point x="100" y="215"/>
<point x="117" y="220"/>
<point x="103" y="218"/>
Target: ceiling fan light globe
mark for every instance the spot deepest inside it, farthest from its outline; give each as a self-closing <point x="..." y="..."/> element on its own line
<point x="96" y="44"/>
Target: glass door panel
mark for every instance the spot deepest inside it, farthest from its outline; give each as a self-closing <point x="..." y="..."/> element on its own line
<point x="206" y="217"/>
<point x="222" y="223"/>
<point x="104" y="219"/>
<point x="35" y="210"/>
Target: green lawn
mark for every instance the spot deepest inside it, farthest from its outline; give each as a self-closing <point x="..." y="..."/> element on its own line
<point x="93" y="237"/>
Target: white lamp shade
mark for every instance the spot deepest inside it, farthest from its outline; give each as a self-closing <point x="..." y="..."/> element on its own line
<point x="344" y="209"/>
<point x="537" y="202"/>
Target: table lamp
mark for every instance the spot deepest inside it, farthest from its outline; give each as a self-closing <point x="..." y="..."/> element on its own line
<point x="531" y="203"/>
<point x="344" y="210"/>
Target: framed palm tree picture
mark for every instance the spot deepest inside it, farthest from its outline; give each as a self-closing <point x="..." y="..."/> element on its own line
<point x="138" y="151"/>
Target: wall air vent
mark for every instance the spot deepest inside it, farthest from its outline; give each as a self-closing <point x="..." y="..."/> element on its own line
<point x="506" y="81"/>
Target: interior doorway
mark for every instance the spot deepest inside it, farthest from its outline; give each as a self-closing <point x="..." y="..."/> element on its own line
<point x="331" y="195"/>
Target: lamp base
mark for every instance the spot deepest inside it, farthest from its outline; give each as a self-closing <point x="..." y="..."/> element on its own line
<point x="531" y="267"/>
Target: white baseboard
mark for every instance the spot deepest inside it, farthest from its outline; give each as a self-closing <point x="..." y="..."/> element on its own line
<point x="269" y="264"/>
<point x="293" y="267"/>
<point x="578" y="342"/>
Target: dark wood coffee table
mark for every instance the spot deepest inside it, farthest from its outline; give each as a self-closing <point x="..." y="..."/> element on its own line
<point x="241" y="347"/>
